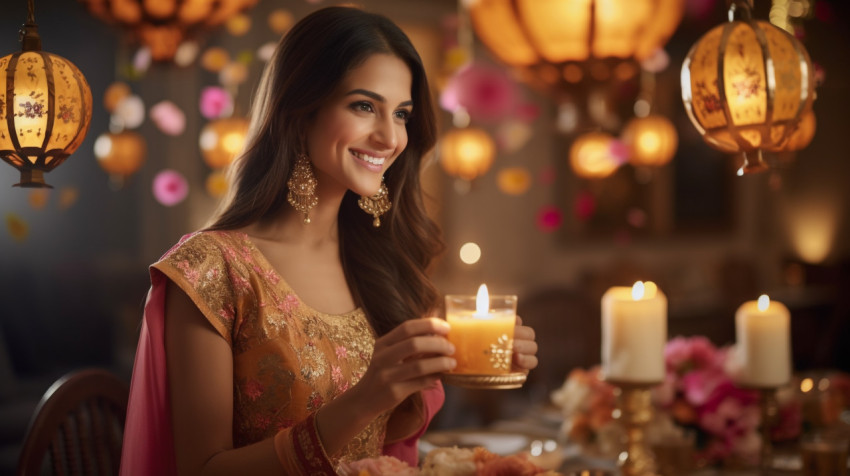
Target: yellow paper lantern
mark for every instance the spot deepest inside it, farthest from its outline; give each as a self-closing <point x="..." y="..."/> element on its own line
<point x="121" y="154"/>
<point x="652" y="140"/>
<point x="467" y="153"/>
<point x="544" y="38"/>
<point x="221" y="140"/>
<point x="746" y="84"/>
<point x="45" y="109"/>
<point x="162" y="25"/>
<point x="591" y="156"/>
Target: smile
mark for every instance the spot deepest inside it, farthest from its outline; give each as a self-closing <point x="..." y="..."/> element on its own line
<point x="369" y="158"/>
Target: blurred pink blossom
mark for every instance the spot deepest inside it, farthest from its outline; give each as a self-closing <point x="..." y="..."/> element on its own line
<point x="486" y="92"/>
<point x="170" y="187"/>
<point x="168" y="118"/>
<point x="215" y="102"/>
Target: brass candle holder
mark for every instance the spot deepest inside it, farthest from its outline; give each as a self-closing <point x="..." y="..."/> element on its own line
<point x="769" y="408"/>
<point x="634" y="412"/>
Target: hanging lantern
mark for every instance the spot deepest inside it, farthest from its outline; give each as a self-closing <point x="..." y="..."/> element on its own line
<point x="162" y="25"/>
<point x="651" y="140"/>
<point x="467" y="153"/>
<point x="45" y="108"/>
<point x="745" y="85"/>
<point x="544" y="38"/>
<point x="805" y="132"/>
<point x="592" y="157"/>
<point x="221" y="140"/>
<point x="121" y="154"/>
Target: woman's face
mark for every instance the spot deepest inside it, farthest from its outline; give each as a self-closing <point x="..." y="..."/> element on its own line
<point x="361" y="129"/>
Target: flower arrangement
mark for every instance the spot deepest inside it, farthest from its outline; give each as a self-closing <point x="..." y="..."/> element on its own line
<point x="698" y="394"/>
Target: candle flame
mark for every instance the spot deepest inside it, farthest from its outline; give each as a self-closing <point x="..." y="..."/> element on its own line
<point x="637" y="290"/>
<point x="482" y="301"/>
<point x="763" y="303"/>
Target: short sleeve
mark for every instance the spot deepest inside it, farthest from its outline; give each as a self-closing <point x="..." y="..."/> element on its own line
<point x="207" y="270"/>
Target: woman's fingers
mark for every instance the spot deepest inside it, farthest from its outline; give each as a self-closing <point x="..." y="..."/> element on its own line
<point x="413" y="347"/>
<point x="414" y="327"/>
<point x="525" y="347"/>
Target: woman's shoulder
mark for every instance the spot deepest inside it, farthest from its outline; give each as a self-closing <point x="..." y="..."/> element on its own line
<point x="203" y="246"/>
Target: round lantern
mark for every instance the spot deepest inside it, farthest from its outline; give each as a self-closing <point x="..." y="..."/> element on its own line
<point x="162" y="25"/>
<point x="467" y="153"/>
<point x="805" y="132"/>
<point x="591" y="155"/>
<point x="121" y="154"/>
<point x="745" y="85"/>
<point x="651" y="140"/>
<point x="544" y="38"/>
<point x="45" y="109"/>
<point x="221" y="140"/>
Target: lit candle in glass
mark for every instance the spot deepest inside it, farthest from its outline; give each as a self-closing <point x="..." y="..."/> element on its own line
<point x="482" y="331"/>
<point x="634" y="331"/>
<point x="762" y="330"/>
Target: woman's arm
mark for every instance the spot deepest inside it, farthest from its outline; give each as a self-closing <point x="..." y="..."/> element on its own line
<point x="200" y="376"/>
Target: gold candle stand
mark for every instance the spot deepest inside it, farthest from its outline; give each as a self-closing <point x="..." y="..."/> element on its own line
<point x="634" y="412"/>
<point x="769" y="408"/>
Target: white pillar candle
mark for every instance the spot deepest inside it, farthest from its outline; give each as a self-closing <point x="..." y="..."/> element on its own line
<point x="634" y="332"/>
<point x="763" y="343"/>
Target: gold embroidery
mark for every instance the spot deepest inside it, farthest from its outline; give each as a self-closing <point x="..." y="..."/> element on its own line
<point x="287" y="357"/>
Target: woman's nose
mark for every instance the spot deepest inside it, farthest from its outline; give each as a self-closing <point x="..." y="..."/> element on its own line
<point x="385" y="133"/>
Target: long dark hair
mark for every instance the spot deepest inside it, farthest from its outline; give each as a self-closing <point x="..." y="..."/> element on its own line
<point x="385" y="267"/>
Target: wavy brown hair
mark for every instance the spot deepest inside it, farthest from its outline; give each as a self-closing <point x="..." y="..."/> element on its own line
<point x="386" y="267"/>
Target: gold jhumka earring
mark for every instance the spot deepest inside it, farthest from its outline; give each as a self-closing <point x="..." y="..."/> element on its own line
<point x="377" y="204"/>
<point x="302" y="187"/>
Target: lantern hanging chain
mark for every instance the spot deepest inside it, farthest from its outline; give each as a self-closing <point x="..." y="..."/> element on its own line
<point x="740" y="10"/>
<point x="31" y="12"/>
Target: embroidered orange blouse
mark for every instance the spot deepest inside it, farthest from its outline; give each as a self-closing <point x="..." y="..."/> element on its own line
<point x="289" y="359"/>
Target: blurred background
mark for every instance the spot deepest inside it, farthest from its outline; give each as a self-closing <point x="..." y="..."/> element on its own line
<point x="74" y="258"/>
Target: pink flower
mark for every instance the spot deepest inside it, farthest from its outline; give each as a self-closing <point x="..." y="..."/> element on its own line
<point x="487" y="92"/>
<point x="170" y="187"/>
<point x="254" y="389"/>
<point x="168" y="118"/>
<point x="215" y="102"/>
<point x="341" y="352"/>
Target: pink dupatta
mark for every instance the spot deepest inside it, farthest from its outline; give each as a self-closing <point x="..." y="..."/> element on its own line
<point x="148" y="447"/>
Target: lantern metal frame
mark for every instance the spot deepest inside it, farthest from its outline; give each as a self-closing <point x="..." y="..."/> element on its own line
<point x="33" y="170"/>
<point x="740" y="12"/>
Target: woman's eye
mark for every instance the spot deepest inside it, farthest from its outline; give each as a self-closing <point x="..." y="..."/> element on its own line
<point x="403" y="115"/>
<point x="362" y="106"/>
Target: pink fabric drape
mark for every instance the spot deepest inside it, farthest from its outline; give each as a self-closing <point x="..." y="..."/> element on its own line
<point x="148" y="442"/>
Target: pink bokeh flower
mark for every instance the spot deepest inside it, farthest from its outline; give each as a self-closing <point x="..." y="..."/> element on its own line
<point x="170" y="187"/>
<point x="168" y="118"/>
<point x="487" y="93"/>
<point x="215" y="102"/>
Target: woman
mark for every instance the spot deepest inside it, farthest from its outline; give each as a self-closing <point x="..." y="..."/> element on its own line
<point x="294" y="329"/>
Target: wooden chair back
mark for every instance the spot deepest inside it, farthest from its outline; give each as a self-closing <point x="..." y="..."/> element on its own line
<point x="78" y="427"/>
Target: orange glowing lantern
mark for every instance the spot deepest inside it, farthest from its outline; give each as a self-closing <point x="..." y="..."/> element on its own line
<point x="746" y="85"/>
<point x="45" y="108"/>
<point x="162" y="25"/>
<point x="591" y="156"/>
<point x="221" y="140"/>
<point x="467" y="153"/>
<point x="652" y="140"/>
<point x="121" y="154"/>
<point x="544" y="38"/>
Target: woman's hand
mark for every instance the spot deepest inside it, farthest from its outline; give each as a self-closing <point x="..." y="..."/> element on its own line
<point x="525" y="347"/>
<point x="406" y="360"/>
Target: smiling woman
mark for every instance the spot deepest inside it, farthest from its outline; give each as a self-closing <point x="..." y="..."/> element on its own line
<point x="297" y="338"/>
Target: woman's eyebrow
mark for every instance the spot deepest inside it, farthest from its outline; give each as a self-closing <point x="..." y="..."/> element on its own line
<point x="376" y="96"/>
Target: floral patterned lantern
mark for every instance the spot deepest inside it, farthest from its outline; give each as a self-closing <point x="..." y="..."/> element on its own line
<point x="162" y="25"/>
<point x="221" y="140"/>
<point x="746" y="84"/>
<point x="45" y="108"/>
<point x="467" y="153"/>
<point x="651" y="140"/>
<point x="545" y="38"/>
<point x="592" y="157"/>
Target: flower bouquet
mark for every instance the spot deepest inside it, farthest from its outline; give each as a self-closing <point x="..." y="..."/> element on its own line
<point x="697" y="398"/>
